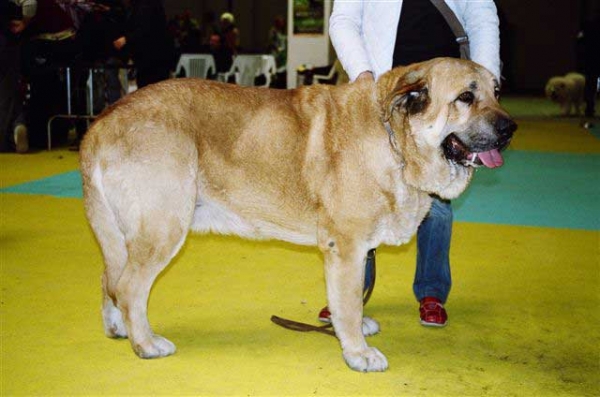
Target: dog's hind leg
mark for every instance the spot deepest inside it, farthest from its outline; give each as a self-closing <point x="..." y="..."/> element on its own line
<point x="115" y="260"/>
<point x="155" y="227"/>
<point x="141" y="212"/>
<point x="344" y="274"/>
<point x="148" y="256"/>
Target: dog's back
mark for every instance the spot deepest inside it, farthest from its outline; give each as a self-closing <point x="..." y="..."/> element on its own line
<point x="577" y="82"/>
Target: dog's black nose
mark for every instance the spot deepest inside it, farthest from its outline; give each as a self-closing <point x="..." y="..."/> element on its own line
<point x="505" y="127"/>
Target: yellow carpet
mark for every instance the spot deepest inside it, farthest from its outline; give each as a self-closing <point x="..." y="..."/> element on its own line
<point x="554" y="136"/>
<point x="22" y="168"/>
<point x="523" y="312"/>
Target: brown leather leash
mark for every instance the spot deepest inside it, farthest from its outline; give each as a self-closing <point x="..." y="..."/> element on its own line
<point x="325" y="329"/>
<point x="303" y="327"/>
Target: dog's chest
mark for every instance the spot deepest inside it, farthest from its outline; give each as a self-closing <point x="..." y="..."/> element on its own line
<point x="399" y="226"/>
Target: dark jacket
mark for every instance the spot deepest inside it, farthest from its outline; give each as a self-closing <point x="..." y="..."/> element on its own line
<point x="147" y="37"/>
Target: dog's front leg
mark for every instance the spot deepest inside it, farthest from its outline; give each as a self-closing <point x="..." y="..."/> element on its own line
<point x="344" y="275"/>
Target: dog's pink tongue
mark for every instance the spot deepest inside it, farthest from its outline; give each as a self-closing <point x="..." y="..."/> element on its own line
<point x="491" y="159"/>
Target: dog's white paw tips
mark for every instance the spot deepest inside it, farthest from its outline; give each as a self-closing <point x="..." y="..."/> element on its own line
<point x="369" y="326"/>
<point x="155" y="348"/>
<point x="369" y="359"/>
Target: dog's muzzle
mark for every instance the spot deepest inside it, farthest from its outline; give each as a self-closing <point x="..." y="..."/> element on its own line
<point x="490" y="156"/>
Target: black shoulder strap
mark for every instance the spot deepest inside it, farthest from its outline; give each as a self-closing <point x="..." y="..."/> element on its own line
<point x="461" y="36"/>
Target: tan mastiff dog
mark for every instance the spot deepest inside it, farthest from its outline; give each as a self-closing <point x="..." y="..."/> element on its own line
<point x="345" y="168"/>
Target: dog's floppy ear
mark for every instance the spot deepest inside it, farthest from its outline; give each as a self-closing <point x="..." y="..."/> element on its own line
<point x="412" y="96"/>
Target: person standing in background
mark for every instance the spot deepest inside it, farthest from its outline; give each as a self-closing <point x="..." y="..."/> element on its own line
<point x="278" y="48"/>
<point x="208" y="27"/>
<point x="15" y="16"/>
<point x="54" y="44"/>
<point x="104" y="26"/>
<point x="230" y="34"/>
<point x="148" y="41"/>
<point x="222" y="55"/>
<point x="590" y="38"/>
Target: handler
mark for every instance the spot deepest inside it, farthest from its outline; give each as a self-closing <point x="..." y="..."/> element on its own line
<point x="371" y="37"/>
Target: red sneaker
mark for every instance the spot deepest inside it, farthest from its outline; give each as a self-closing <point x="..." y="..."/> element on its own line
<point x="432" y="312"/>
<point x="325" y="315"/>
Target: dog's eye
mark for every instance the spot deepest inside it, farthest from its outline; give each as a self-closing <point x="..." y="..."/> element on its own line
<point x="497" y="93"/>
<point x="466" y="97"/>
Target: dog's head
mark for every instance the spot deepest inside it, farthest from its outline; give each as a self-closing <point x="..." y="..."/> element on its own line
<point x="445" y="118"/>
<point x="557" y="89"/>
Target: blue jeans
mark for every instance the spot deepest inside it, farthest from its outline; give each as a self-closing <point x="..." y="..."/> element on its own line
<point x="432" y="277"/>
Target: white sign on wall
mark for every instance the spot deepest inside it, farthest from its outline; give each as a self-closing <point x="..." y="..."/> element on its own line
<point x="308" y="38"/>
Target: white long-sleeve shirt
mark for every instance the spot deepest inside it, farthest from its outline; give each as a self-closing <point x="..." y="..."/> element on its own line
<point x="363" y="33"/>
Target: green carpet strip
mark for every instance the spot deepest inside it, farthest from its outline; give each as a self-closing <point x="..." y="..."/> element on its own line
<point x="531" y="189"/>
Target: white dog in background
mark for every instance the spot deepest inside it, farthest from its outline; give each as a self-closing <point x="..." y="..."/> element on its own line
<point x="567" y="91"/>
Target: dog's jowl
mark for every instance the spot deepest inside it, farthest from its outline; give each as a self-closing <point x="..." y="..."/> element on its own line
<point x="344" y="168"/>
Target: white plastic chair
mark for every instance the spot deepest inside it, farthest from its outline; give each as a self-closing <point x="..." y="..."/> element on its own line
<point x="336" y="68"/>
<point x="269" y="68"/>
<point x="318" y="78"/>
<point x="246" y="68"/>
<point x="196" y="65"/>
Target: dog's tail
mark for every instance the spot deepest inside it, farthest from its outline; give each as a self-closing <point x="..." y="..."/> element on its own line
<point x="101" y="217"/>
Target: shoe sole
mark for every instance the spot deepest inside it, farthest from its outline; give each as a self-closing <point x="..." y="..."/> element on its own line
<point x="435" y="325"/>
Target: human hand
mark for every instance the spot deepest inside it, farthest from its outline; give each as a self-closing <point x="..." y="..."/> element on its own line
<point x="366" y="75"/>
<point x="120" y="42"/>
<point x="16" y="26"/>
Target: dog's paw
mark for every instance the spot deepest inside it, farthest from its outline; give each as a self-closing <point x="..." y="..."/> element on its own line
<point x="367" y="360"/>
<point x="369" y="326"/>
<point x="155" y="347"/>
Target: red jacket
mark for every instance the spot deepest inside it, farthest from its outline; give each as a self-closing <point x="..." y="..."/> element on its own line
<point x="50" y="18"/>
